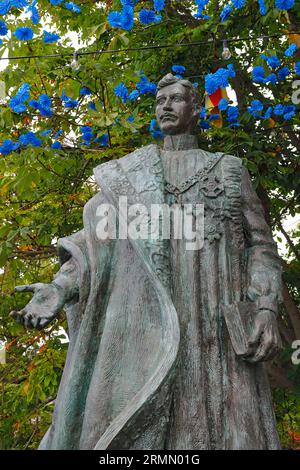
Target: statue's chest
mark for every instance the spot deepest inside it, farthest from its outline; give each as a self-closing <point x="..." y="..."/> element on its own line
<point x="206" y="186"/>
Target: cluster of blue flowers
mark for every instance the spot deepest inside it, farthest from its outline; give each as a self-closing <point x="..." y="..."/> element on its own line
<point x="68" y="102"/>
<point x="219" y="79"/>
<point x="155" y="130"/>
<point x="17" y="102"/>
<point x="201" y="4"/>
<point x="43" y="104"/>
<point x="259" y="75"/>
<point x="238" y="4"/>
<point x="143" y="86"/>
<point x="124" y="19"/>
<point x="257" y="107"/>
<point x="88" y="134"/>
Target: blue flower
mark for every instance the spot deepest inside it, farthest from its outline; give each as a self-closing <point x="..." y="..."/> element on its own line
<point x="289" y="111"/>
<point x="149" y="16"/>
<point x="238" y="3"/>
<point x="204" y="125"/>
<point x="255" y="108"/>
<point x="226" y="12"/>
<point x="46" y="132"/>
<point x="223" y="104"/>
<point x="23" y="33"/>
<point x="231" y="71"/>
<point x="212" y="117"/>
<point x="262" y="7"/>
<point x="130" y="118"/>
<point x="43" y="104"/>
<point x="87" y="133"/>
<point x="6" y="5"/>
<point x="232" y="114"/>
<point x="222" y="77"/>
<point x="284" y="4"/>
<point x="92" y="106"/>
<point x="211" y="84"/>
<point x="35" y="17"/>
<point x="201" y="16"/>
<point x="258" y="74"/>
<point x="155" y="130"/>
<point x="145" y="86"/>
<point x="103" y="140"/>
<point x="71" y="6"/>
<point x="291" y="50"/>
<point x="85" y="91"/>
<point x="133" y="95"/>
<point x="121" y="91"/>
<point x="3" y="28"/>
<point x="128" y="3"/>
<point x="68" y="102"/>
<point x="29" y="138"/>
<point x="17" y="102"/>
<point x="272" y="61"/>
<point x="56" y="145"/>
<point x="278" y="110"/>
<point x="297" y="68"/>
<point x="271" y="78"/>
<point x="55" y="2"/>
<point x="123" y="19"/>
<point x="202" y="113"/>
<point x="56" y="136"/>
<point x="50" y="37"/>
<point x="178" y="69"/>
<point x="8" y="146"/>
<point x="268" y="113"/>
<point x="219" y="79"/>
<point x="283" y="73"/>
<point x="159" y="5"/>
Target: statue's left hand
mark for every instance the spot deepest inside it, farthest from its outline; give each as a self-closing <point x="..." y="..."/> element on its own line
<point x="265" y="339"/>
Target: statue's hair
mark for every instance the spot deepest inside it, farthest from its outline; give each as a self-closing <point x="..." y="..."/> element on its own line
<point x="170" y="79"/>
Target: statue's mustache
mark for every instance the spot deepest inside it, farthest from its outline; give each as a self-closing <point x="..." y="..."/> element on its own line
<point x="168" y="115"/>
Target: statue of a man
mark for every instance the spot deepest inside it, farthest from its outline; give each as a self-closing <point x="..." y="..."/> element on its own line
<point x="153" y="360"/>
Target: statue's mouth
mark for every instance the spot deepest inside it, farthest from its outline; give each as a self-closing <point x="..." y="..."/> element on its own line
<point x="167" y="117"/>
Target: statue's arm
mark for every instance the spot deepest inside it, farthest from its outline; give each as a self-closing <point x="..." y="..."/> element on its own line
<point x="263" y="273"/>
<point x="49" y="299"/>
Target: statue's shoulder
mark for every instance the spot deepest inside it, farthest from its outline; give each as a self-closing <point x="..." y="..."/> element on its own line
<point x="129" y="160"/>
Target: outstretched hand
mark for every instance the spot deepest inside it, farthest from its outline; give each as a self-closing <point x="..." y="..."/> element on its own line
<point x="44" y="306"/>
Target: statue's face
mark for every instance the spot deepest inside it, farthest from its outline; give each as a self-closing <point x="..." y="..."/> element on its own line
<point x="174" y="110"/>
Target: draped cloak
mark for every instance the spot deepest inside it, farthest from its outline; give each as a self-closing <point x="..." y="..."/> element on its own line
<point x="150" y="364"/>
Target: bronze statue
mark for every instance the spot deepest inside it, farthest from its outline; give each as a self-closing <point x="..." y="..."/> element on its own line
<point x="167" y="344"/>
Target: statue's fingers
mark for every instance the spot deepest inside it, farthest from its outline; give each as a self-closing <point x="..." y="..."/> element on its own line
<point x="26" y="288"/>
<point x="27" y="320"/>
<point x="43" y="322"/>
<point x="35" y="322"/>
<point x="263" y="349"/>
<point x="18" y="315"/>
<point x="256" y="333"/>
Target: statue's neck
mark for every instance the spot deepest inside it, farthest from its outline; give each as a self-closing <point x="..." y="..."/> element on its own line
<point x="180" y="142"/>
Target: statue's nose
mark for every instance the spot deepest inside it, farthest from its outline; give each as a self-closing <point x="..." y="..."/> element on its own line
<point x="167" y="104"/>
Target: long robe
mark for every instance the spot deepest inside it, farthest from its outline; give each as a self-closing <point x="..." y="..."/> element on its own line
<point x="150" y="364"/>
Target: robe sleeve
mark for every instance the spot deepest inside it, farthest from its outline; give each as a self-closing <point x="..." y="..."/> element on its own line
<point x="67" y="279"/>
<point x="263" y="285"/>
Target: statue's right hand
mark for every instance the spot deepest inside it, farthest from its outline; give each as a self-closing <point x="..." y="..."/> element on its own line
<point x="45" y="304"/>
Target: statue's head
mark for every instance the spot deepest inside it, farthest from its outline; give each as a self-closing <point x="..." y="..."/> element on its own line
<point x="177" y="105"/>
